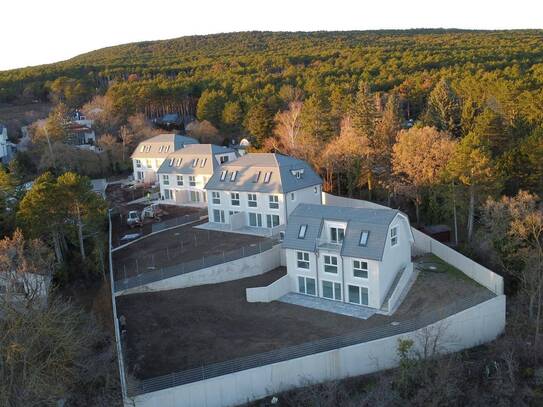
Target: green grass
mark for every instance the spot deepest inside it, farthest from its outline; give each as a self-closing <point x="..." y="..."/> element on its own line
<point x="445" y="267"/>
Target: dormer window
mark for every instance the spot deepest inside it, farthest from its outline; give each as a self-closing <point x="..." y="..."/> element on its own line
<point x="223" y="159"/>
<point x="223" y="175"/>
<point x="257" y="176"/>
<point x="203" y="162"/>
<point x="364" y="238"/>
<point x="337" y="234"/>
<point x="233" y="176"/>
<point x="297" y="173"/>
<point x="301" y="232"/>
<point x="267" y="177"/>
<point x="194" y="162"/>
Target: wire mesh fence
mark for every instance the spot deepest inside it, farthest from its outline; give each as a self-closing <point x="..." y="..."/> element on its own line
<point x="180" y="220"/>
<point x="204" y="372"/>
<point x="159" y="265"/>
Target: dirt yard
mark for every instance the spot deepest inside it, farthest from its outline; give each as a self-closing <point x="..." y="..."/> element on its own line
<point x="174" y="246"/>
<point x="175" y="330"/>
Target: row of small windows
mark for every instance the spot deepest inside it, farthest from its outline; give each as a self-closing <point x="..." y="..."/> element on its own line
<point x="255" y="219"/>
<point x="360" y="267"/>
<point x="147" y="148"/>
<point x="256" y="177"/>
<point x="179" y="180"/>
<point x="252" y="201"/>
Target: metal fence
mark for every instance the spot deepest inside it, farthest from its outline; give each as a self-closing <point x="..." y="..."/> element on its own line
<point x="156" y="274"/>
<point x="309" y="348"/>
<point x="170" y="223"/>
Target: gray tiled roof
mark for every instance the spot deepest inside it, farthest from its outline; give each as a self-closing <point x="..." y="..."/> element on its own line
<point x="375" y="221"/>
<point x="282" y="180"/>
<point x="201" y="152"/>
<point x="175" y="141"/>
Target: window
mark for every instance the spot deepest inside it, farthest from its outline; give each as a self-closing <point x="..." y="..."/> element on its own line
<point x="251" y="200"/>
<point x="292" y="196"/>
<point x="233" y="176"/>
<point x="316" y="190"/>
<point x="148" y="163"/>
<point x="302" y="260"/>
<point x="223" y="175"/>
<point x="330" y="264"/>
<point x="301" y="232"/>
<point x="337" y="234"/>
<point x="180" y="180"/>
<point x="360" y="269"/>
<point x="138" y="163"/>
<point x="167" y="149"/>
<point x="223" y="159"/>
<point x="364" y="238"/>
<point x="194" y="196"/>
<point x="171" y="161"/>
<point x="274" y="201"/>
<point x="178" y="162"/>
<point x="257" y="176"/>
<point x="166" y="180"/>
<point x="234" y="198"/>
<point x="142" y="149"/>
<point x="203" y="162"/>
<point x="233" y="212"/>
<point x="394" y="236"/>
<point x="331" y="290"/>
<point x="216" y="198"/>
<point x="160" y="149"/>
<point x="272" y="221"/>
<point x="194" y="162"/>
<point x="267" y="177"/>
<point x="306" y="285"/>
<point x="192" y="180"/>
<point x="218" y="216"/>
<point x="168" y="194"/>
<point x="358" y="295"/>
<point x="255" y="219"/>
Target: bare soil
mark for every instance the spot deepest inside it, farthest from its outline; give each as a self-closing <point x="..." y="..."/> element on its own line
<point x="180" y="329"/>
<point x="174" y="246"/>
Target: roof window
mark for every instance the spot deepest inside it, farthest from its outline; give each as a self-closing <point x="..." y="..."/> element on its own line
<point x="223" y="175"/>
<point x="267" y="177"/>
<point x="302" y="231"/>
<point x="364" y="238"/>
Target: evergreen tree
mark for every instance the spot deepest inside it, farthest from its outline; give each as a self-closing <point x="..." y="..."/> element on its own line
<point x="443" y="109"/>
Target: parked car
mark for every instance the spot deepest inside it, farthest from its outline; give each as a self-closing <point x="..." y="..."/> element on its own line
<point x="133" y="219"/>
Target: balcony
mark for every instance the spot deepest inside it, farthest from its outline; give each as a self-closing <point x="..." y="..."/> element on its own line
<point x="327" y="244"/>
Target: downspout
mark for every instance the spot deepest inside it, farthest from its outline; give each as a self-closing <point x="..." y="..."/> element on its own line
<point x="317" y="271"/>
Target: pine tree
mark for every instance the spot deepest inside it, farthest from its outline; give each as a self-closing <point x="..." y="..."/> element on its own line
<point x="443" y="109"/>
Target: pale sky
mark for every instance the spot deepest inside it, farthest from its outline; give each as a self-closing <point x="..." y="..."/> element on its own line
<point x="34" y="32"/>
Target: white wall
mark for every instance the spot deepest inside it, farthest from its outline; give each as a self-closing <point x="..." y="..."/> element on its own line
<point x="181" y="193"/>
<point x="270" y="292"/>
<point x="305" y="195"/>
<point x="294" y="271"/>
<point x="471" y="327"/>
<point x="393" y="301"/>
<point x="233" y="270"/>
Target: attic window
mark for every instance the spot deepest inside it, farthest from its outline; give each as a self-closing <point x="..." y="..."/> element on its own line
<point x="301" y="232"/>
<point x="142" y="149"/>
<point x="147" y="148"/>
<point x="364" y="238"/>
<point x="171" y="161"/>
<point x="194" y="162"/>
<point x="257" y="176"/>
<point x="178" y="162"/>
<point x="267" y="177"/>
<point x="160" y="149"/>
<point x="167" y="149"/>
<point x="203" y="162"/>
<point x="233" y="176"/>
<point x="223" y="175"/>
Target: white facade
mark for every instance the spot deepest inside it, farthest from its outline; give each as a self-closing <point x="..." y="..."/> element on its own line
<point x="257" y="209"/>
<point x="326" y="273"/>
<point x="183" y="189"/>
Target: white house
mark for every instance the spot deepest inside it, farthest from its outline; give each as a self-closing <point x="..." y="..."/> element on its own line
<point x="184" y="173"/>
<point x="259" y="191"/>
<point x="7" y="148"/>
<point x="354" y="255"/>
<point x="151" y="153"/>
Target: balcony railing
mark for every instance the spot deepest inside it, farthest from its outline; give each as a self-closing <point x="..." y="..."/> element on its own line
<point x="329" y="244"/>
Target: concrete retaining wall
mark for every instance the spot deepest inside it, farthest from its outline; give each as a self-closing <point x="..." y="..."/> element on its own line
<point x="471" y="327"/>
<point x="425" y="244"/>
<point x="233" y="270"/>
<point x="271" y="292"/>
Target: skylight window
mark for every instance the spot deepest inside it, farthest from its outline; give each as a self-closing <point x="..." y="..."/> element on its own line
<point x="301" y="232"/>
<point x="223" y="175"/>
<point x="257" y="176"/>
<point x="203" y="162"/>
<point x="160" y="149"/>
<point x="267" y="177"/>
<point x="233" y="176"/>
<point x="167" y="149"/>
<point x="178" y="162"/>
<point x="142" y="149"/>
<point x="364" y="238"/>
<point x="171" y="161"/>
<point x="194" y="162"/>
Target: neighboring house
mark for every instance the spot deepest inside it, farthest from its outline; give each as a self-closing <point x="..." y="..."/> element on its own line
<point x="80" y="134"/>
<point x="7" y="148"/>
<point x="151" y="153"/>
<point x="260" y="191"/>
<point x="354" y="255"/>
<point x="184" y="173"/>
<point x="30" y="286"/>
